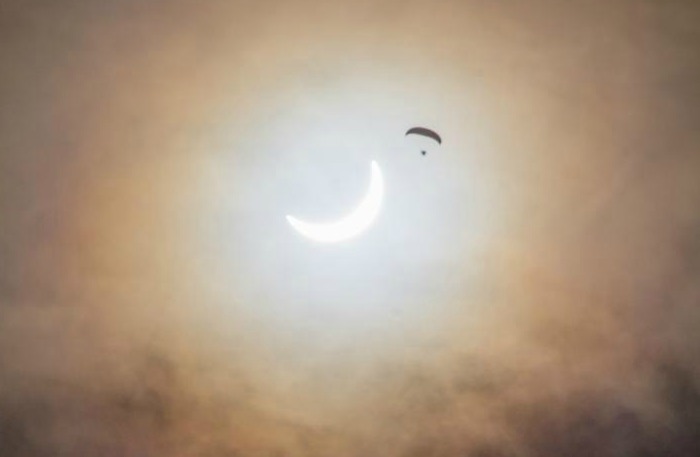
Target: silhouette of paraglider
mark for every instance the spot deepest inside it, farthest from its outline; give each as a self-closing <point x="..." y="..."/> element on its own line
<point x="422" y="131"/>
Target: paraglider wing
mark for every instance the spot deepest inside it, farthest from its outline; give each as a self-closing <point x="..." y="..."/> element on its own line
<point x="424" y="132"/>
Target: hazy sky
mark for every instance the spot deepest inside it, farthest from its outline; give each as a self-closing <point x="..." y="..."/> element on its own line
<point x="531" y="287"/>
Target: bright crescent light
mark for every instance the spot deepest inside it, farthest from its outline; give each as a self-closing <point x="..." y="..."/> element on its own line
<point x="354" y="223"/>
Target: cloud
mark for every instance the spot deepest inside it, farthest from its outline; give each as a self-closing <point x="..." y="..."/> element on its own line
<point x="529" y="290"/>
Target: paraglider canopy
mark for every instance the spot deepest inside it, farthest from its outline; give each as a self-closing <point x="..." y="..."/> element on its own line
<point x="424" y="132"/>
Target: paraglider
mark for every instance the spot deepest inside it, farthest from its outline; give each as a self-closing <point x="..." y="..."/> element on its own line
<point x="424" y="132"/>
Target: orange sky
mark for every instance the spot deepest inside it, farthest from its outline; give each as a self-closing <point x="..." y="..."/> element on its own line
<point x="529" y="289"/>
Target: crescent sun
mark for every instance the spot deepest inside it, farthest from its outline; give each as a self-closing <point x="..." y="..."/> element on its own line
<point x="351" y="225"/>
